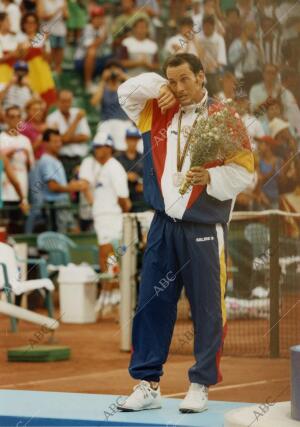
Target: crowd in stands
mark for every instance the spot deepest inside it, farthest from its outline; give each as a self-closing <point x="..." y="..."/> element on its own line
<point x="54" y="136"/>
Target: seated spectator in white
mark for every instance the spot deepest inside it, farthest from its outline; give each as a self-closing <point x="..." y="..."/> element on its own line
<point x="17" y="91"/>
<point x="273" y="109"/>
<point x="13" y="11"/>
<point x="185" y="41"/>
<point x="74" y="130"/>
<point x="233" y="26"/>
<point x="132" y="161"/>
<point x="17" y="148"/>
<point x="229" y="88"/>
<point x="269" y="170"/>
<point x="49" y="185"/>
<point x="261" y="93"/>
<point x="94" y="47"/>
<point x="245" y="56"/>
<point x="53" y="15"/>
<point x="114" y="120"/>
<point x="109" y="197"/>
<point x="214" y="59"/>
<point x="138" y="53"/>
<point x="34" y="125"/>
<point x="270" y="41"/>
<point x="252" y="124"/>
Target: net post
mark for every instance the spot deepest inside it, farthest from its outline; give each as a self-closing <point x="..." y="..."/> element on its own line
<point x="274" y="286"/>
<point x="125" y="284"/>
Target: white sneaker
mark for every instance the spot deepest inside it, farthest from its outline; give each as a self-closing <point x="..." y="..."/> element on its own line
<point x="195" y="400"/>
<point x="143" y="397"/>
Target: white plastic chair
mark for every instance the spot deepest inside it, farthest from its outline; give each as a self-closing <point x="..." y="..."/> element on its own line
<point x="10" y="282"/>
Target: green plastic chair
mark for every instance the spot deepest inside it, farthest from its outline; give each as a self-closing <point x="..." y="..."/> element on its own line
<point x="59" y="249"/>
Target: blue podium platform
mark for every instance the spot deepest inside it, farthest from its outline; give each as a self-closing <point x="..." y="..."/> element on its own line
<point x="20" y="408"/>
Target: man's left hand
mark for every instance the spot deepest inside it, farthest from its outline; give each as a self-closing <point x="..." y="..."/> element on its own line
<point x="198" y="176"/>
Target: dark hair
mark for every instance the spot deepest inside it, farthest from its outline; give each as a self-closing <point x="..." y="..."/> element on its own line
<point x="208" y="19"/>
<point x="185" y="20"/>
<point x="183" y="58"/>
<point x="231" y="10"/>
<point x="12" y="107"/>
<point x="3" y="15"/>
<point x="113" y="63"/>
<point x="28" y="15"/>
<point x="48" y="132"/>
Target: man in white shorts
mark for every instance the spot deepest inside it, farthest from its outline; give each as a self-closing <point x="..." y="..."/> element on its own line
<point x="109" y="196"/>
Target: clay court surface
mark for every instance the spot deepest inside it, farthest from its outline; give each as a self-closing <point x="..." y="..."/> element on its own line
<point x="98" y="366"/>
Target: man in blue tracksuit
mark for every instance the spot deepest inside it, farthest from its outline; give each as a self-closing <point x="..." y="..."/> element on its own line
<point x="187" y="238"/>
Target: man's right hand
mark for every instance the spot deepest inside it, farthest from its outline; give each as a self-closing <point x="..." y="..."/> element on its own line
<point x="166" y="98"/>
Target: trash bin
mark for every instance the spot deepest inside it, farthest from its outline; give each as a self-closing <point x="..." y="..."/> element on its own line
<point x="77" y="293"/>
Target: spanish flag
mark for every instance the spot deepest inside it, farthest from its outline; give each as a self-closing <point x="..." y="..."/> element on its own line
<point x="40" y="76"/>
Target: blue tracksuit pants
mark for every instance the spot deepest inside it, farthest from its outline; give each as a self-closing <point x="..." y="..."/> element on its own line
<point x="178" y="254"/>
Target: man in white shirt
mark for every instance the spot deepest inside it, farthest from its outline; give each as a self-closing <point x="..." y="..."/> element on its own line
<point x="214" y="58"/>
<point x="109" y="196"/>
<point x="73" y="126"/>
<point x="17" y="148"/>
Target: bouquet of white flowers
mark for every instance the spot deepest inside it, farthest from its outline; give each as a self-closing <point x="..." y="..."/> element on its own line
<point x="216" y="137"/>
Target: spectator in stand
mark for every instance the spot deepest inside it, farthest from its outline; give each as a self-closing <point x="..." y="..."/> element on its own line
<point x="244" y="55"/>
<point x="269" y="174"/>
<point x="77" y="20"/>
<point x="273" y="109"/>
<point x="114" y="120"/>
<point x="131" y="160"/>
<point x="17" y="148"/>
<point x="212" y="8"/>
<point x="138" y="53"/>
<point x="262" y="93"/>
<point x="49" y="185"/>
<point x="10" y="48"/>
<point x="94" y="48"/>
<point x="74" y="130"/>
<point x="233" y="26"/>
<point x="214" y="54"/>
<point x="185" y="41"/>
<point x="229" y="87"/>
<point x="122" y="25"/>
<point x="6" y="167"/>
<point x="197" y="15"/>
<point x="252" y="124"/>
<point x="36" y="52"/>
<point x="28" y="6"/>
<point x="14" y="14"/>
<point x="17" y="91"/>
<point x="110" y="197"/>
<point x="53" y="14"/>
<point x="247" y="10"/>
<point x="270" y="42"/>
<point x="34" y="125"/>
<point x="287" y="149"/>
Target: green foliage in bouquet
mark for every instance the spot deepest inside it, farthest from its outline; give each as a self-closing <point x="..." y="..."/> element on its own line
<point x="218" y="136"/>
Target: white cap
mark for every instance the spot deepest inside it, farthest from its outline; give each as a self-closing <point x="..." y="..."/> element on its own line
<point x="102" y="139"/>
<point x="277" y="125"/>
